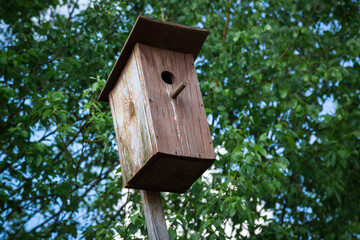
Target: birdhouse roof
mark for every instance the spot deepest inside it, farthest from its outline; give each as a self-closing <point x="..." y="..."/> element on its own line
<point x="158" y="34"/>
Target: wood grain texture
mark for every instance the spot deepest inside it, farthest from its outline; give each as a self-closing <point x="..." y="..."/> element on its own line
<point x="180" y="124"/>
<point x="164" y="143"/>
<point x="130" y="121"/>
<point x="159" y="34"/>
<point x="154" y="215"/>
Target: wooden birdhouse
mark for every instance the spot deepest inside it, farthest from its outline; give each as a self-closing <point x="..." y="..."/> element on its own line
<point x="160" y="123"/>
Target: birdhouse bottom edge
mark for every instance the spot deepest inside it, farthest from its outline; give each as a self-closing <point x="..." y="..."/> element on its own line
<point x="169" y="173"/>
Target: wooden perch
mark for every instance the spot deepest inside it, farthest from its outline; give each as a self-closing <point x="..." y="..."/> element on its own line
<point x="178" y="90"/>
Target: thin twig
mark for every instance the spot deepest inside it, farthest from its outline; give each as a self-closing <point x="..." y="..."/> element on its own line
<point x="227" y="21"/>
<point x="283" y="54"/>
<point x="72" y="10"/>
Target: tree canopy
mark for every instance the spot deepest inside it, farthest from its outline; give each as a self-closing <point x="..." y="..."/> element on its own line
<point x="280" y="83"/>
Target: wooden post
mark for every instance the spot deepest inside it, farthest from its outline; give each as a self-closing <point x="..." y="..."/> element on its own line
<point x="154" y="215"/>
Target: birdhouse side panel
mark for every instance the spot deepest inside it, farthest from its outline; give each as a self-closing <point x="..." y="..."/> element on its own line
<point x="180" y="124"/>
<point x="130" y="121"/>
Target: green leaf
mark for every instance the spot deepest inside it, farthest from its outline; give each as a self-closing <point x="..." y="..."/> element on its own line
<point x="343" y="153"/>
<point x="63" y="115"/>
<point x="100" y="232"/>
<point x="172" y="234"/>
<point x="24" y="134"/>
<point x="262" y="137"/>
<point x="232" y="212"/>
<point x="239" y="91"/>
<point x="236" y="36"/>
<point x="46" y="113"/>
<point x="306" y="77"/>
<point x="38" y="160"/>
<point x="2" y="58"/>
<point x="133" y="228"/>
<point x="221" y="108"/>
<point x="208" y="110"/>
<point x="283" y="93"/>
<point x="268" y="27"/>
<point x="251" y="119"/>
<point x="56" y="96"/>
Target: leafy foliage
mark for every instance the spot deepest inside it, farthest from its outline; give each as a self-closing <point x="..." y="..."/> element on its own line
<point x="288" y="164"/>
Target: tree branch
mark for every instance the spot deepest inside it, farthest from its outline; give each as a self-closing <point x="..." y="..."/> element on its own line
<point x="283" y="54"/>
<point x="227" y="21"/>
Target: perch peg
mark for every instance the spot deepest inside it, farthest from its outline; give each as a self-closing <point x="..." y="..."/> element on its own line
<point x="178" y="90"/>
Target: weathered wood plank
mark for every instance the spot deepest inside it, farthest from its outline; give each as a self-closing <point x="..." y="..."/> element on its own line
<point x="154" y="215"/>
<point x="130" y="121"/>
<point x="164" y="143"/>
<point x="180" y="124"/>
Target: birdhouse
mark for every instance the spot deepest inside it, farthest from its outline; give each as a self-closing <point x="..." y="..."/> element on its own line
<point x="160" y="123"/>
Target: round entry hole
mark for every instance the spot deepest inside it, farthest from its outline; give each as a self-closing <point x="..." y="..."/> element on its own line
<point x="167" y="77"/>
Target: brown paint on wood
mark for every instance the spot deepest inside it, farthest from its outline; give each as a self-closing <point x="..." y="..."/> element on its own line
<point x="159" y="34"/>
<point x="164" y="143"/>
<point x="154" y="215"/>
<point x="180" y="124"/>
<point x="169" y="173"/>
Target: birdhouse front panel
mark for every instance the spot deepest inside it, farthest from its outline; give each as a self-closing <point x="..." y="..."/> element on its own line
<point x="180" y="124"/>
